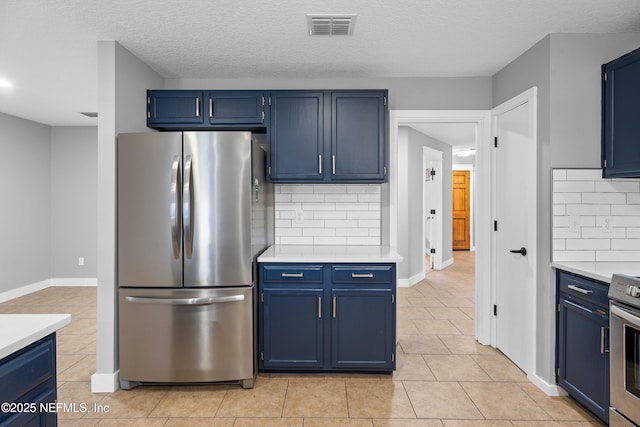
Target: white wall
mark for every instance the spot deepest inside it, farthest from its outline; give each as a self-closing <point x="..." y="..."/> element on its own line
<point x="74" y="210"/>
<point x="25" y="217"/>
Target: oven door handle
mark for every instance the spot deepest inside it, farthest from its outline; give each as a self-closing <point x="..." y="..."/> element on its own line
<point x="625" y="315"/>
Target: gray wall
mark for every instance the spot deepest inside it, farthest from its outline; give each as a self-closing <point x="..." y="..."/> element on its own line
<point x="410" y="200"/>
<point x="566" y="70"/>
<point x="74" y="162"/>
<point x="25" y="216"/>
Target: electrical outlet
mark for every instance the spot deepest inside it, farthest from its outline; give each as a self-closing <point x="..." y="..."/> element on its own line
<point x="574" y="223"/>
<point x="81" y="261"/>
<point x="607" y="224"/>
<point x="299" y="219"/>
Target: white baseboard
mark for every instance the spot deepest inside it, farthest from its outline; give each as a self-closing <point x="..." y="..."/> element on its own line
<point x="75" y="281"/>
<point x="548" y="389"/>
<point x="38" y="286"/>
<point x="446" y="263"/>
<point x="407" y="283"/>
<point x="24" y="290"/>
<point x="105" y="383"/>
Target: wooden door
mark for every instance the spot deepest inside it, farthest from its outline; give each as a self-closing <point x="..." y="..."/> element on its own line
<point x="460" y="197"/>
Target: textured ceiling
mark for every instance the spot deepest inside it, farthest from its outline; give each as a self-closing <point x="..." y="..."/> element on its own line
<point x="48" y="48"/>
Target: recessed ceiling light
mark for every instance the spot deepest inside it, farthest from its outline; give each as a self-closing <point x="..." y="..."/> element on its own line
<point x="330" y="25"/>
<point x="5" y="83"/>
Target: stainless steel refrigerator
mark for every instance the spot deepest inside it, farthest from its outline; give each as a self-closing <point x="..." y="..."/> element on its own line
<point x="194" y="212"/>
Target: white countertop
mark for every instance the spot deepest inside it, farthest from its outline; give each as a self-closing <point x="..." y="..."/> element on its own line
<point x="599" y="270"/>
<point x="327" y="254"/>
<point x="19" y="330"/>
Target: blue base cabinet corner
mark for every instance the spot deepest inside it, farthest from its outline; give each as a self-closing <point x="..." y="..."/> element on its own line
<point x="28" y="380"/>
<point x="327" y="317"/>
<point x="582" y="341"/>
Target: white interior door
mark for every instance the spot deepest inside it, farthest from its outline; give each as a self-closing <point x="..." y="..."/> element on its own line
<point x="515" y="238"/>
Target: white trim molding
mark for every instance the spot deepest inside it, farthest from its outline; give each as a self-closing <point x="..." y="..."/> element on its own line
<point x="105" y="383"/>
<point x="38" y="286"/>
<point x="407" y="283"/>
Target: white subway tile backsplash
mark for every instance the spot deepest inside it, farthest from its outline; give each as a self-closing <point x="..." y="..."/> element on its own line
<point x="608" y="213"/>
<point x="567" y="198"/>
<point x="584" y="174"/>
<point x="604" y="198"/>
<point x="342" y="214"/>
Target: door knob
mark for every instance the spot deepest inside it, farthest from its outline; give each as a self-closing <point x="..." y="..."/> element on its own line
<point x="521" y="251"/>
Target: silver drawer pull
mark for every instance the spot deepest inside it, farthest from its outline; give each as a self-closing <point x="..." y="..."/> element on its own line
<point x="579" y="289"/>
<point x="319" y="307"/>
<point x="298" y="275"/>
<point x="603" y="340"/>
<point x="362" y="275"/>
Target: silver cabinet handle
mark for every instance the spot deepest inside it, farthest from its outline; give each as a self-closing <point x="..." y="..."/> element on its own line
<point x="319" y="164"/>
<point x="334" y="307"/>
<point x="185" y="301"/>
<point x="174" y="207"/>
<point x="362" y="275"/>
<point x="197" y="107"/>
<point x="333" y="164"/>
<point x="187" y="206"/>
<point x="603" y="340"/>
<point x="319" y="307"/>
<point x="298" y="275"/>
<point x="579" y="289"/>
<point x="210" y="107"/>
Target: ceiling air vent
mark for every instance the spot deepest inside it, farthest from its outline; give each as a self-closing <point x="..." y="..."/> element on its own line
<point x="331" y="25"/>
<point x="89" y="113"/>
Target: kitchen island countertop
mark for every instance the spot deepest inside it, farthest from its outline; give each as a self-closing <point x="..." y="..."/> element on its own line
<point x="601" y="271"/>
<point x="19" y="330"/>
<point x="329" y="253"/>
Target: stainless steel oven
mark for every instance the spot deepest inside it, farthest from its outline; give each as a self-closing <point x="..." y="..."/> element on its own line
<point x="624" y="293"/>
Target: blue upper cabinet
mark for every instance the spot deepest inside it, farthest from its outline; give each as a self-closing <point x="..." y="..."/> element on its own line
<point x="174" y="108"/>
<point x="620" y="119"/>
<point x="237" y="107"/>
<point x="328" y="136"/>
<point x="358" y="135"/>
<point x="297" y="136"/>
<point x="207" y="110"/>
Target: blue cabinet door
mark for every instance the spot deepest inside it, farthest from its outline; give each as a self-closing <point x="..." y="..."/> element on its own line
<point x="297" y="136"/>
<point x="358" y="135"/>
<point x="583" y="360"/>
<point x="291" y="328"/>
<point x="236" y="107"/>
<point x="173" y="107"/>
<point x="362" y="329"/>
<point x="620" y="121"/>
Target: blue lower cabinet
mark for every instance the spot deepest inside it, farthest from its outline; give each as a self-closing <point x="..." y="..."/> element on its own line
<point x="362" y="329"/>
<point x="326" y="326"/>
<point x="28" y="385"/>
<point x="292" y="328"/>
<point x="583" y="341"/>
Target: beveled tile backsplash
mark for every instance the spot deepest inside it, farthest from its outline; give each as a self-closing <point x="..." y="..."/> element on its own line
<point x="329" y="214"/>
<point x="595" y="219"/>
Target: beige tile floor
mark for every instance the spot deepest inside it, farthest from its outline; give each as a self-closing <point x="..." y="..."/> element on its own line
<point x="443" y="377"/>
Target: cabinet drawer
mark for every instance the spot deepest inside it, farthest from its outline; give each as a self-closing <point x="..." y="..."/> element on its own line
<point x="27" y="368"/>
<point x="578" y="287"/>
<point x="362" y="274"/>
<point x="292" y="273"/>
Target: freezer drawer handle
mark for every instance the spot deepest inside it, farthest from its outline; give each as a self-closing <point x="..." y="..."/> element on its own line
<point x="297" y="275"/>
<point x="174" y="207"/>
<point x="185" y="301"/>
<point x="362" y="276"/>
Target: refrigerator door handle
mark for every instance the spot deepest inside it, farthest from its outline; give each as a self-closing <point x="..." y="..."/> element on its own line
<point x="174" y="207"/>
<point x="187" y="207"/>
<point x="185" y="301"/>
